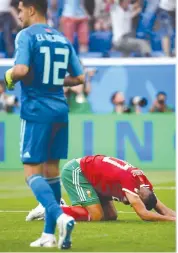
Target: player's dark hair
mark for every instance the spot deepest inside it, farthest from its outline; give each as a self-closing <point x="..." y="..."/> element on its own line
<point x="161" y="93"/>
<point x="151" y="201"/>
<point x="40" y="5"/>
<point x="114" y="96"/>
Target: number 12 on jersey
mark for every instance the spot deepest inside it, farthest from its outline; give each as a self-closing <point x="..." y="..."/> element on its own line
<point x="54" y="65"/>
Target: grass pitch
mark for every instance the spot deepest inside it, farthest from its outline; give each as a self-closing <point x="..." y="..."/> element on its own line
<point x="127" y="234"/>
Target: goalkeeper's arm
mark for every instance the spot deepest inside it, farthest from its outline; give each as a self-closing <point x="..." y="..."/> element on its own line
<point x="74" y="81"/>
<point x="15" y="74"/>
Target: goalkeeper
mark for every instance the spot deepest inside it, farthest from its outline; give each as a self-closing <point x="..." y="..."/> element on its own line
<point x="43" y="57"/>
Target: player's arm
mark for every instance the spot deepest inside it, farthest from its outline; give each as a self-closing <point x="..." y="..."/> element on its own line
<point x="22" y="61"/>
<point x="18" y="72"/>
<point x="71" y="81"/>
<point x="75" y="70"/>
<point x="164" y="210"/>
<point x="143" y="213"/>
<point x="15" y="74"/>
<point x="110" y="1"/>
<point x="136" y="9"/>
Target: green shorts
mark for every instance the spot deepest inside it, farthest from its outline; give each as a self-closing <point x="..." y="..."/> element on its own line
<point x="80" y="191"/>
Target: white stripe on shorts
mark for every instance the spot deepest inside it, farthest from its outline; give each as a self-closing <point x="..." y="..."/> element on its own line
<point x="22" y="135"/>
<point x="75" y="183"/>
<point x="75" y="175"/>
<point x="81" y="189"/>
<point x="21" y="129"/>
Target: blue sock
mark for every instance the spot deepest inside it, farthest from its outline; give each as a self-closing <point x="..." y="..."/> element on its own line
<point x="45" y="196"/>
<point x="50" y="224"/>
<point x="56" y="187"/>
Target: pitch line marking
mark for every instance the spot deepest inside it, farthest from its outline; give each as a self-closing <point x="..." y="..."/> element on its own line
<point x="11" y="211"/>
<point x="164" y="188"/>
<point x="156" y="188"/>
<point x="20" y="211"/>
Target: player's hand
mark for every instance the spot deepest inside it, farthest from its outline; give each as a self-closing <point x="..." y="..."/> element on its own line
<point x="8" y="80"/>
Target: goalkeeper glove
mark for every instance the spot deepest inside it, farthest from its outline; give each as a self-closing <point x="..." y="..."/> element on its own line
<point x="8" y="80"/>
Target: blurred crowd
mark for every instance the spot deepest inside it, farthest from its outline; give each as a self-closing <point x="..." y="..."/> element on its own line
<point x="138" y="103"/>
<point x="111" y="27"/>
<point x="126" y="27"/>
<point x="8" y="103"/>
<point x="77" y="98"/>
<point x="78" y="102"/>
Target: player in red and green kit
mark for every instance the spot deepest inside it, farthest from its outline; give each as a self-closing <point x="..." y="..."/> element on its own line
<point x="92" y="181"/>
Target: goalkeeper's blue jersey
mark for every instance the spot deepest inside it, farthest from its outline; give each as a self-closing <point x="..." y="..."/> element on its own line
<point x="49" y="56"/>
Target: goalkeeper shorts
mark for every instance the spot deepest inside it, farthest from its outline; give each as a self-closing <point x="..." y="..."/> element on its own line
<point x="42" y="142"/>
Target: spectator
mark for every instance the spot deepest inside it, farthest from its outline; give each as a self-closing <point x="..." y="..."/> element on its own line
<point x="77" y="96"/>
<point x="7" y="103"/>
<point x="102" y="17"/>
<point x="55" y="12"/>
<point x="147" y="19"/>
<point x="166" y="16"/>
<point x="14" y="12"/>
<point x="53" y="18"/>
<point x="8" y="23"/>
<point x="160" y="104"/>
<point x="75" y="20"/>
<point x="123" y="38"/>
<point x="118" y="100"/>
<point x="90" y="6"/>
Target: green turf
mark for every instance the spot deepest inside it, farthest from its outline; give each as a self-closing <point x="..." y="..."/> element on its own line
<point x="128" y="234"/>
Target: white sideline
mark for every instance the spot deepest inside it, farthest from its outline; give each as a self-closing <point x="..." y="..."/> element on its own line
<point x="120" y="212"/>
<point x="112" y="61"/>
<point x="11" y="211"/>
<point x="164" y="188"/>
<point x="20" y="211"/>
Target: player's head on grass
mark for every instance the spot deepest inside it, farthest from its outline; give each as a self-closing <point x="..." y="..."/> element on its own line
<point x="32" y="12"/>
<point x="148" y="197"/>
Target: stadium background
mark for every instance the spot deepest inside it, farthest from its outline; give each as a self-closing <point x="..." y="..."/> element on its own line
<point x="146" y="140"/>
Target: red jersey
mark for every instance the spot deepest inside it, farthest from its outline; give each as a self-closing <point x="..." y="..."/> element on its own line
<point x="113" y="177"/>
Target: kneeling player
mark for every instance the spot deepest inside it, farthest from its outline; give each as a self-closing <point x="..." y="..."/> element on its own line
<point x="92" y="181"/>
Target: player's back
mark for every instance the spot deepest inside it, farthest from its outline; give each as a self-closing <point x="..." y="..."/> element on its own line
<point x="49" y="56"/>
<point x="100" y="166"/>
<point x="109" y="175"/>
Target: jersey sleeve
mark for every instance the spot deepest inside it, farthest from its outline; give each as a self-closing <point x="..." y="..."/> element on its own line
<point x="128" y="185"/>
<point x="74" y="67"/>
<point x="23" y="48"/>
<point x="147" y="183"/>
